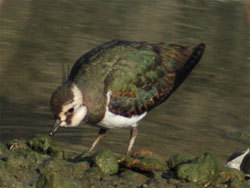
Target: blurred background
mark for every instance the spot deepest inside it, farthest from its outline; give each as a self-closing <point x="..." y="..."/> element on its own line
<point x="209" y="112"/>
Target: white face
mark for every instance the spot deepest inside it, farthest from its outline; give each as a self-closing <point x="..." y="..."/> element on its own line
<point x="74" y="112"/>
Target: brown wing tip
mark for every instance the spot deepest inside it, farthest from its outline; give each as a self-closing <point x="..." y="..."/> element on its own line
<point x="197" y="53"/>
<point x="201" y="46"/>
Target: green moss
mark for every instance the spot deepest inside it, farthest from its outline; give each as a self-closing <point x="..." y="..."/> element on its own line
<point x="202" y="169"/>
<point x="93" y="174"/>
<point x="236" y="183"/>
<point x="16" y="144"/>
<point x="44" y="144"/>
<point x="64" y="168"/>
<point x="145" y="161"/>
<point x="189" y="185"/>
<point x="3" y="149"/>
<point x="52" y="180"/>
<point x="134" y="178"/>
<point x="177" y="159"/>
<point x="106" y="161"/>
<point x="228" y="173"/>
<point x="144" y="164"/>
<point x="19" y="161"/>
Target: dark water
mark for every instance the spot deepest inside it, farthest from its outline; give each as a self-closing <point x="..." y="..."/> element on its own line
<point x="37" y="36"/>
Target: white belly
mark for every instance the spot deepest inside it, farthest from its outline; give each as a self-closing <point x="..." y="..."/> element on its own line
<point x="112" y="120"/>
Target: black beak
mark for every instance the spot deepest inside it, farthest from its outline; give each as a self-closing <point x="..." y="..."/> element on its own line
<point x="55" y="127"/>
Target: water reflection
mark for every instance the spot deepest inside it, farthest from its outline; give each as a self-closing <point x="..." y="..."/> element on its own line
<point x="36" y="36"/>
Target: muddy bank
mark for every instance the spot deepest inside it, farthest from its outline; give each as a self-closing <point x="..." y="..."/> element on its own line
<point x="40" y="163"/>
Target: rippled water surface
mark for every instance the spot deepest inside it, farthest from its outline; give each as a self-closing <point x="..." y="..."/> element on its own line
<point x="36" y="36"/>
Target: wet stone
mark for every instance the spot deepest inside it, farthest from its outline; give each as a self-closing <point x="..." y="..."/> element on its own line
<point x="18" y="167"/>
<point x="177" y="159"/>
<point x="155" y="183"/>
<point x="32" y="164"/>
<point x="50" y="179"/>
<point x="64" y="168"/>
<point x="25" y="158"/>
<point x="134" y="178"/>
<point x="145" y="161"/>
<point x="149" y="154"/>
<point x="16" y="144"/>
<point x="236" y="183"/>
<point x="106" y="161"/>
<point x="202" y="169"/>
<point x="92" y="175"/>
<point x="3" y="148"/>
<point x="228" y="173"/>
<point x="44" y="144"/>
<point x="189" y="185"/>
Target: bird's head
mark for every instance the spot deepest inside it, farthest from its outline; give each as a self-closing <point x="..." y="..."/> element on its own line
<point x="67" y="106"/>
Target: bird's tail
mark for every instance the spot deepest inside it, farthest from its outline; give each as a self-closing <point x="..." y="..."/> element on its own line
<point x="184" y="70"/>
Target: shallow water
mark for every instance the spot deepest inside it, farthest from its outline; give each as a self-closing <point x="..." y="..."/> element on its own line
<point x="37" y="36"/>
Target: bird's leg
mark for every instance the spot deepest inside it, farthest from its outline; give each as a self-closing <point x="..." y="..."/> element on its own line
<point x="97" y="140"/>
<point x="133" y="134"/>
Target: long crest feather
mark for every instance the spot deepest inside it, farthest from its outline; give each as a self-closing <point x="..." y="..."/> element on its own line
<point x="65" y="75"/>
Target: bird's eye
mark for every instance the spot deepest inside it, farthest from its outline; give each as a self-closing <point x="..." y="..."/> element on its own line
<point x="71" y="110"/>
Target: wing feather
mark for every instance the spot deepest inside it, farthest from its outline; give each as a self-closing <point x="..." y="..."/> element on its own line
<point x="147" y="75"/>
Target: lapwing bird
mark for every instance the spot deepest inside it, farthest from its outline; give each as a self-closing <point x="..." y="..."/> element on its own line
<point x="116" y="84"/>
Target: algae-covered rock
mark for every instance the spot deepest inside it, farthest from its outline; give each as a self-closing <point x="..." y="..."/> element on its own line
<point x="177" y="159"/>
<point x="145" y="161"/>
<point x="134" y="178"/>
<point x="44" y="144"/>
<point x="60" y="173"/>
<point x="25" y="158"/>
<point x="202" y="169"/>
<point x="3" y="149"/>
<point x="189" y="185"/>
<point x="40" y="163"/>
<point x="64" y="168"/>
<point x="144" y="164"/>
<point x="95" y="173"/>
<point x="236" y="183"/>
<point x="149" y="154"/>
<point x="155" y="183"/>
<point x="228" y="173"/>
<point x="106" y="161"/>
<point x="50" y="179"/>
<point x="16" y="144"/>
<point x="95" y="178"/>
<point x="18" y="167"/>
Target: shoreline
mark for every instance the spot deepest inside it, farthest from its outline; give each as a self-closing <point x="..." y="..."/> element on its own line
<point x="40" y="162"/>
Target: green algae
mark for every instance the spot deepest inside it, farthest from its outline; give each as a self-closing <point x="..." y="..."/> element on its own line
<point x="189" y="185"/>
<point x="33" y="164"/>
<point x="44" y="144"/>
<point x="178" y="159"/>
<point x="133" y="177"/>
<point x="145" y="161"/>
<point x="228" y="173"/>
<point x="106" y="161"/>
<point x="144" y="164"/>
<point x="202" y="169"/>
<point x="3" y="149"/>
<point x="50" y="179"/>
<point x="64" y="168"/>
